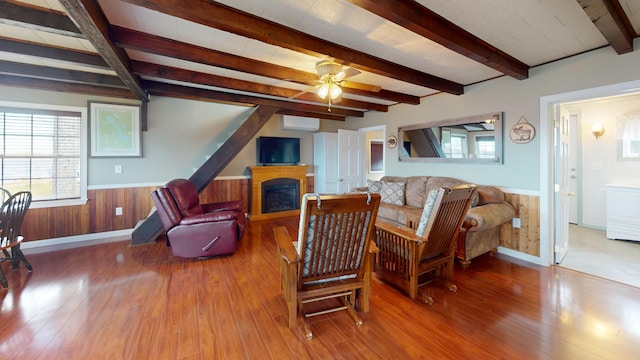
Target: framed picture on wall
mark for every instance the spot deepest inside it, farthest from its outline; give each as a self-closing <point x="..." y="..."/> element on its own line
<point x="114" y="130"/>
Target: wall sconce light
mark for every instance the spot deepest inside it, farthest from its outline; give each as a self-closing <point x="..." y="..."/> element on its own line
<point x="597" y="130"/>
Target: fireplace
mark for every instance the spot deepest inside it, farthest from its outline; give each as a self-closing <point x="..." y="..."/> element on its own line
<point x="280" y="195"/>
<point x="276" y="191"/>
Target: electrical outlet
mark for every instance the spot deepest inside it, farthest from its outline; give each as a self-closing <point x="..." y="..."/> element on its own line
<point x="118" y="169"/>
<point x="118" y="211"/>
<point x="515" y="222"/>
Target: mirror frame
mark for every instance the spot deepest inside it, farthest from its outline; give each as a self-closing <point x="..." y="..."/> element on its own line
<point x="498" y="138"/>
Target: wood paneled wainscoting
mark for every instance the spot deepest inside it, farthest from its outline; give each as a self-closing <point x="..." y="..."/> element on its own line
<point x="98" y="214"/>
<point x="526" y="239"/>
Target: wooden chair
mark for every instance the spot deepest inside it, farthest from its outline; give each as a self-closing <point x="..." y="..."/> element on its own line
<point x="332" y="257"/>
<point x="11" y="216"/>
<point x="408" y="260"/>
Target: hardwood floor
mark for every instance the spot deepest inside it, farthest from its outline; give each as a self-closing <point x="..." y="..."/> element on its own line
<point x="113" y="301"/>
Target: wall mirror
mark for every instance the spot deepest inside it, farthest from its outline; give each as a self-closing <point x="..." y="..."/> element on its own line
<point x="474" y="139"/>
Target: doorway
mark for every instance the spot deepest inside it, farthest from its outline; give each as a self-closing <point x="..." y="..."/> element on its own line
<point x="593" y="164"/>
<point x="376" y="151"/>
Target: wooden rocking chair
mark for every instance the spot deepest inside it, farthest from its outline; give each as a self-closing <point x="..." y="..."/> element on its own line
<point x="408" y="260"/>
<point x="331" y="259"/>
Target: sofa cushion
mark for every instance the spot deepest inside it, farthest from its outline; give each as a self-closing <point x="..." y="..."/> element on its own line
<point x="489" y="195"/>
<point x="374" y="186"/>
<point x="426" y="212"/>
<point x="391" y="212"/>
<point x="436" y="182"/>
<point x="392" y="193"/>
<point x="416" y="191"/>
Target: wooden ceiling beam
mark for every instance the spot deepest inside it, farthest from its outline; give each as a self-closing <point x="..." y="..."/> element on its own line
<point x="186" y="92"/>
<point x="37" y="18"/>
<point x="50" y="73"/>
<point x="94" y="25"/>
<point x="171" y="73"/>
<point x="228" y="19"/>
<point x="135" y="40"/>
<point x="422" y="21"/>
<point x="610" y="19"/>
<point x="62" y="86"/>
<point x="53" y="53"/>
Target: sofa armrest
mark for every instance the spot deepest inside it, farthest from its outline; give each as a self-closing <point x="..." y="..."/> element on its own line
<point x="489" y="215"/>
<point x="225" y="205"/>
<point x="215" y="216"/>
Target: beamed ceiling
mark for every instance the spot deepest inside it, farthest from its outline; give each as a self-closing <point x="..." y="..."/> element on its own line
<point x="264" y="52"/>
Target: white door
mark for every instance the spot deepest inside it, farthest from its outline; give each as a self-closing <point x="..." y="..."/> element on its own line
<point x="562" y="191"/>
<point x="351" y="159"/>
<point x="573" y="169"/>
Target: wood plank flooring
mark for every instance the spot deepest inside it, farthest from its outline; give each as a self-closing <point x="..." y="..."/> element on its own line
<point x="113" y="301"/>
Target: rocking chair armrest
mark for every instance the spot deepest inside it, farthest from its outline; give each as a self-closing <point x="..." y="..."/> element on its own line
<point x="285" y="245"/>
<point x="398" y="230"/>
<point x="373" y="248"/>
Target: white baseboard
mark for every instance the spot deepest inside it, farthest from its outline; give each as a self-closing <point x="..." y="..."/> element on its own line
<point x="519" y="255"/>
<point x="40" y="246"/>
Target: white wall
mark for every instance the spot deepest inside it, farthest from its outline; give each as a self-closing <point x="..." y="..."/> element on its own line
<point x="181" y="134"/>
<point x="516" y="98"/>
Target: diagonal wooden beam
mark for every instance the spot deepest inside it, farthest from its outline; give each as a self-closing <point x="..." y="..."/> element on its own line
<point x="228" y="19"/>
<point x="54" y="53"/>
<point x="37" y="18"/>
<point x="136" y="40"/>
<point x="171" y="73"/>
<point x="610" y="19"/>
<point x="152" y="226"/>
<point x="422" y="21"/>
<point x="187" y="92"/>
<point x="63" y="86"/>
<point x="93" y="24"/>
<point x="45" y="72"/>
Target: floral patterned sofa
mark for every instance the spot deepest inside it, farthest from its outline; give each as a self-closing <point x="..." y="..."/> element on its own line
<point x="403" y="199"/>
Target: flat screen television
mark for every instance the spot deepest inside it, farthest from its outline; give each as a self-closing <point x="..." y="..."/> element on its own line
<point x="277" y="150"/>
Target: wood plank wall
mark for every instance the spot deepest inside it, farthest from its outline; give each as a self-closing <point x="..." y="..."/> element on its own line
<point x="98" y="214"/>
<point x="526" y="239"/>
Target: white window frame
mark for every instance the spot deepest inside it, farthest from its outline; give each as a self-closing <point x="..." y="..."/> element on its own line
<point x="83" y="150"/>
<point x="480" y="139"/>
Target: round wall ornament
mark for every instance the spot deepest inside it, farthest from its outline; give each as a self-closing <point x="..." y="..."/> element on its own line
<point x="392" y="141"/>
<point x="522" y="132"/>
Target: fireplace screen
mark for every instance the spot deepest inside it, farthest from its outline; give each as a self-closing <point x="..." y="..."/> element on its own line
<point x="280" y="195"/>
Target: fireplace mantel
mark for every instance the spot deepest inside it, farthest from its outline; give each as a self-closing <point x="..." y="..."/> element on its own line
<point x="260" y="174"/>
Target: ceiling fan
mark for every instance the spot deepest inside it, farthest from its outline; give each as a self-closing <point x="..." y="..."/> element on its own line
<point x="332" y="78"/>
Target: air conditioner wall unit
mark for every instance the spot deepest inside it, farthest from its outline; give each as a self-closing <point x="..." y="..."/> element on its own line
<point x="300" y="123"/>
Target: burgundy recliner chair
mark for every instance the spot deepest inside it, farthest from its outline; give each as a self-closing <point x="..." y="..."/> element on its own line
<point x="197" y="230"/>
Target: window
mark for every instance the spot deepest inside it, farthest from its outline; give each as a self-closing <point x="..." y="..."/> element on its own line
<point x="486" y="146"/>
<point x="629" y="138"/>
<point x="43" y="150"/>
<point x="454" y="145"/>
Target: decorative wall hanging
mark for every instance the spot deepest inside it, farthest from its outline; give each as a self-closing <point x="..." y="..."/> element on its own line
<point x="522" y="132"/>
<point x="392" y="141"/>
<point x="115" y="130"/>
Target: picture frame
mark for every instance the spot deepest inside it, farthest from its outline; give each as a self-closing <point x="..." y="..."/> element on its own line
<point x="114" y="130"/>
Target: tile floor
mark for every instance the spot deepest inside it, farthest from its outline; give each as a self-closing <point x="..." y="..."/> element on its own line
<point x="591" y="252"/>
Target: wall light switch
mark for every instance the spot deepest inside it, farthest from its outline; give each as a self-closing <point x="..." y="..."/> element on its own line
<point x="118" y="169"/>
<point x="118" y="211"/>
<point x="515" y="222"/>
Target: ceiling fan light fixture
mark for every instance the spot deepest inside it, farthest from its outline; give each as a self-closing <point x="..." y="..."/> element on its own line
<point x="323" y="91"/>
<point x="334" y="91"/>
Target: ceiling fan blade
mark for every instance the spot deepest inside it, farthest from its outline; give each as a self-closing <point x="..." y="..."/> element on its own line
<point x="361" y="86"/>
<point x="349" y="72"/>
<point x="309" y="89"/>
